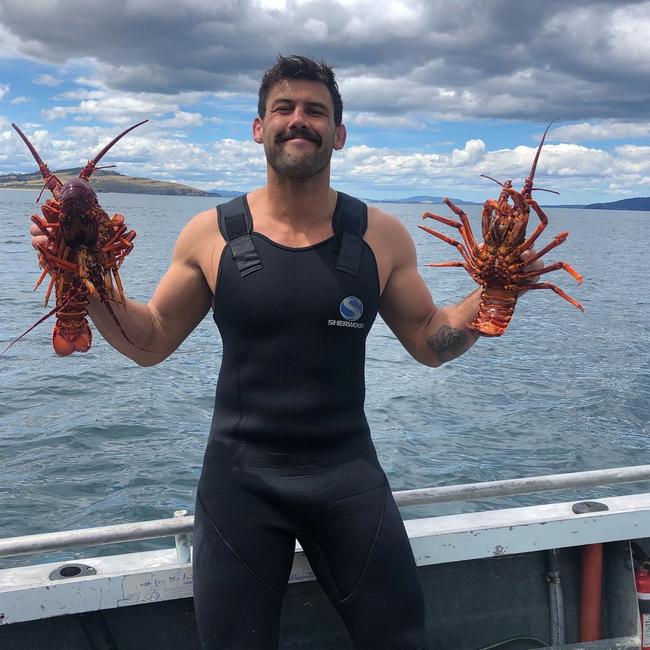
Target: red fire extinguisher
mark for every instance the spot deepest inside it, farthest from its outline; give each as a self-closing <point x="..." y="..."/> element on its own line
<point x="642" y="578"/>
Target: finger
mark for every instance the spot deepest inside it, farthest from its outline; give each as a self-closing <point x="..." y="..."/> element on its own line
<point x="36" y="230"/>
<point x="39" y="241"/>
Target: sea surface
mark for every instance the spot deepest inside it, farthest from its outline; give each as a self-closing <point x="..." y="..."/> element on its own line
<point x="93" y="439"/>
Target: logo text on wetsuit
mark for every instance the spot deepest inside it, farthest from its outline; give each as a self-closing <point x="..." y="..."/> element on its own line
<point x="351" y="309"/>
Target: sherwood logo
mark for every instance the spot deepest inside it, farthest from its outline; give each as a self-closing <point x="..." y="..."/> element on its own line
<point x="345" y="323"/>
<point x="351" y="309"/>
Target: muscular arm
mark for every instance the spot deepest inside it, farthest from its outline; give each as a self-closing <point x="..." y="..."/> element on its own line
<point x="431" y="334"/>
<point x="177" y="306"/>
<point x="179" y="303"/>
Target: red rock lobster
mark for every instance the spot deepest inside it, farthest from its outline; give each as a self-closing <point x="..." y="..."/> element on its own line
<point x="84" y="250"/>
<point x="497" y="263"/>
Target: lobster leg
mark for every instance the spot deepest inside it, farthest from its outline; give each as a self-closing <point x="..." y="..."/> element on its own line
<point x="49" y="289"/>
<point x="552" y="287"/>
<point x="468" y="233"/>
<point x="538" y="230"/>
<point x="464" y="227"/>
<point x="441" y="264"/>
<point x="553" y="267"/>
<point x="45" y="226"/>
<point x="559" y="239"/>
<point x="449" y="240"/>
<point x="468" y="267"/>
<point x="57" y="261"/>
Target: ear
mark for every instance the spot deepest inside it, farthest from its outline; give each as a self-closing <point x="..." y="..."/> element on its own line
<point x="258" y="131"/>
<point x="340" y="137"/>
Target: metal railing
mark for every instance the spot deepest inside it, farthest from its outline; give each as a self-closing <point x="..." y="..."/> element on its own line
<point x="180" y="526"/>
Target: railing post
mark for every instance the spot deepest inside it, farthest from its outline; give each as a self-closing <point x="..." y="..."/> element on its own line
<point x="182" y="542"/>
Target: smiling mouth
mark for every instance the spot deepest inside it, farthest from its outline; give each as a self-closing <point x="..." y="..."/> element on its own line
<point x="300" y="140"/>
<point x="299" y="135"/>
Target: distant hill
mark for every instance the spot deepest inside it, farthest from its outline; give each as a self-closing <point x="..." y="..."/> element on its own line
<point x="639" y="203"/>
<point x="422" y="199"/>
<point x="104" y="180"/>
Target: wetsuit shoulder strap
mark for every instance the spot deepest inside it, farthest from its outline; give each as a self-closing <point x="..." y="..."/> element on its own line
<point x="236" y="225"/>
<point x="349" y="223"/>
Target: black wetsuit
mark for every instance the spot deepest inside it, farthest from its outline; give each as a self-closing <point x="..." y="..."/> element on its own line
<point x="290" y="455"/>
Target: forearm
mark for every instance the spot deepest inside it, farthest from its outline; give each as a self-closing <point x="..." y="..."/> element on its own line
<point x="447" y="334"/>
<point x="130" y="329"/>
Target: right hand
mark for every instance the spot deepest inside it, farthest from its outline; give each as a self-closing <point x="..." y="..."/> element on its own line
<point x="38" y="236"/>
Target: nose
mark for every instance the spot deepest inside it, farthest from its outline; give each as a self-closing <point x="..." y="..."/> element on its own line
<point x="298" y="118"/>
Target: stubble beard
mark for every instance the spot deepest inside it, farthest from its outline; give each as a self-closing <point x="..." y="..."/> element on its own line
<point x="300" y="165"/>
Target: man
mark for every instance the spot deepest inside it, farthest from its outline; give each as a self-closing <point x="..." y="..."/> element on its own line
<point x="295" y="274"/>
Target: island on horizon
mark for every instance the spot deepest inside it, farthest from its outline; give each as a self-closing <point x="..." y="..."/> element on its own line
<point x="104" y="180"/>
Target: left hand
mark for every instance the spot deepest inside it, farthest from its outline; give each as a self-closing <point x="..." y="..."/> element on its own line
<point x="535" y="266"/>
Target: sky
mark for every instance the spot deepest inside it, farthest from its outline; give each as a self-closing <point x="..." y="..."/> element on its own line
<point x="435" y="92"/>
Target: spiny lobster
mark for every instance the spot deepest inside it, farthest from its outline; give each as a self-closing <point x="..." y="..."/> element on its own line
<point x="497" y="263"/>
<point x="84" y="250"/>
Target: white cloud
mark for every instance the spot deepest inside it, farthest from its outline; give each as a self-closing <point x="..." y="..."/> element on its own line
<point x="472" y="154"/>
<point x="20" y="100"/>
<point x="601" y="131"/>
<point x="46" y="80"/>
<point x="4" y="89"/>
<point x="239" y="164"/>
<point x="182" y="119"/>
<point x="564" y="167"/>
<point x="387" y="121"/>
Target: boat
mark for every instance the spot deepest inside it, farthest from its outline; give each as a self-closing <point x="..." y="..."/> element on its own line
<point x="561" y="575"/>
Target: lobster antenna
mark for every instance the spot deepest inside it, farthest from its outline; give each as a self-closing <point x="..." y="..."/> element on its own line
<point x="36" y="324"/>
<point x="38" y="198"/>
<point x="30" y="146"/>
<point x="541" y="189"/>
<point x="528" y="185"/>
<point x="90" y="167"/>
<point x="492" y="179"/>
<point x="42" y="167"/>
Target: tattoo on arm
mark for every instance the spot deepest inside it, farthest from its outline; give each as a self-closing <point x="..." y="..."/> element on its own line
<point x="448" y="341"/>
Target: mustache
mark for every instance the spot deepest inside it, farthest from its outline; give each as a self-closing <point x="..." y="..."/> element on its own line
<point x="299" y="132"/>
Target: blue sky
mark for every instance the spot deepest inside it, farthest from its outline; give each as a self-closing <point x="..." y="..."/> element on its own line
<point x="433" y="96"/>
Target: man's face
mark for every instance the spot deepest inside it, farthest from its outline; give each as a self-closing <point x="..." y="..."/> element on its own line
<point x="298" y="131"/>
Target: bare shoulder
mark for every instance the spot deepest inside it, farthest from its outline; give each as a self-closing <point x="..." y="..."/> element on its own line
<point x="201" y="230"/>
<point x="200" y="244"/>
<point x="390" y="241"/>
<point x="384" y="222"/>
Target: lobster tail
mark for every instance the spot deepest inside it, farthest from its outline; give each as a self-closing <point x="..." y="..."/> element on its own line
<point x="495" y="311"/>
<point x="90" y="166"/>
<point x="52" y="182"/>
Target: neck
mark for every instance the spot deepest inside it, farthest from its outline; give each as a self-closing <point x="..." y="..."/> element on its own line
<point x="296" y="200"/>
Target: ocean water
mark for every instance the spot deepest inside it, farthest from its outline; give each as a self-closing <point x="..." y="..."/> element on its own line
<point x="94" y="440"/>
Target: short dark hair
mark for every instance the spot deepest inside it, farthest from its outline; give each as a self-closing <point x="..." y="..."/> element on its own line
<point x="300" y="67"/>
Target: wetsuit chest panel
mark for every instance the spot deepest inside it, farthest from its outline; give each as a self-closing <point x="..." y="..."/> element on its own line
<point x="293" y="341"/>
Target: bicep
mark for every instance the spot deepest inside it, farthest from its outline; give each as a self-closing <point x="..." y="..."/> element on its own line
<point x="406" y="304"/>
<point x="180" y="302"/>
<point x="183" y="295"/>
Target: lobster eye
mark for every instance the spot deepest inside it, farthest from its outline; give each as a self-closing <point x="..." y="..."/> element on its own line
<point x="77" y="197"/>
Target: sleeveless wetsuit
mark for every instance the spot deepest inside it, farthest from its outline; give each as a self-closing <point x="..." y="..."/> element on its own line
<point x="289" y="454"/>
